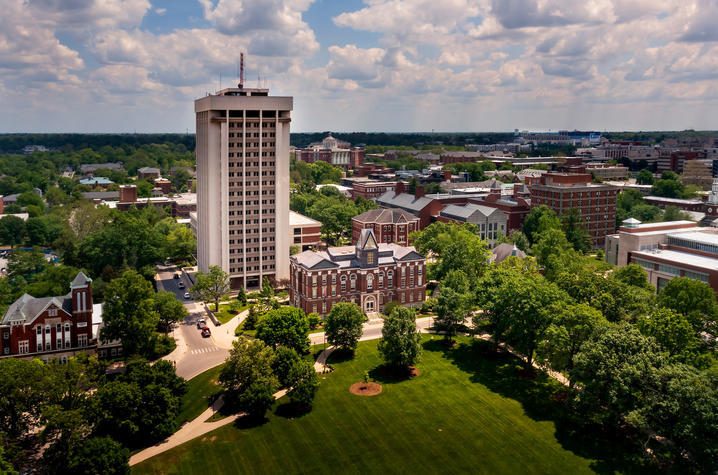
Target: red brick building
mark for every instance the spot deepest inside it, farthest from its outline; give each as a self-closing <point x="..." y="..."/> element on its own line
<point x="389" y="225"/>
<point x="596" y="202"/>
<point x="50" y="327"/>
<point x="372" y="190"/>
<point x="369" y="274"/>
<point x="163" y="184"/>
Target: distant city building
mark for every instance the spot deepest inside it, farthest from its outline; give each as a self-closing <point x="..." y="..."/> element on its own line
<point x="370" y="274"/>
<point x="666" y="250"/>
<point x="492" y="222"/>
<point x="179" y="205"/>
<point x="52" y="327"/>
<point x="332" y="151"/>
<point x="89" y="168"/>
<point x="372" y="190"/>
<point x="243" y="185"/>
<point x="150" y="173"/>
<point x="164" y="184"/>
<point x="596" y="202"/>
<point x="95" y="182"/>
<point x="389" y="225"/>
<point x="305" y="232"/>
<point x="697" y="172"/>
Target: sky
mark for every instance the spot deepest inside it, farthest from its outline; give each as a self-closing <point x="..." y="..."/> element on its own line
<point x="363" y="65"/>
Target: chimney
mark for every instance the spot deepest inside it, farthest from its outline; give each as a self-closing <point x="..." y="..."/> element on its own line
<point x="128" y="193"/>
<point x="447" y="175"/>
<point x="400" y="187"/>
<point x="419" y="193"/>
<point x="517" y="188"/>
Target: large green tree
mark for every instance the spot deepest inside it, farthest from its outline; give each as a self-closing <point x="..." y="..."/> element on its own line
<point x="247" y="376"/>
<point x="616" y="368"/>
<point x="400" y="343"/>
<point x="129" y="313"/>
<point x="23" y="390"/>
<point x="99" y="455"/>
<point x="540" y="219"/>
<point x="454" y="304"/>
<point x="212" y="286"/>
<point x="12" y="230"/>
<point x="343" y="325"/>
<point x="169" y="310"/>
<point x="693" y="299"/>
<point x="570" y="327"/>
<point x="672" y="331"/>
<point x="286" y="326"/>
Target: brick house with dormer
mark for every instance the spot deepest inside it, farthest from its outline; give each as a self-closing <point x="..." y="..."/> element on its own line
<point x="370" y="274"/>
<point x="51" y="327"/>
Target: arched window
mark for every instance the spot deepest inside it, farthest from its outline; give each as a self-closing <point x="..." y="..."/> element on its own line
<point x="381" y="280"/>
<point x="370" y="282"/>
<point x="353" y="279"/>
<point x="344" y="283"/>
<point x="390" y="279"/>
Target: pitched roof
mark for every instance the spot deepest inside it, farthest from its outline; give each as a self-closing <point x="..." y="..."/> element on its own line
<point x="385" y="216"/>
<point x="148" y="170"/>
<point x="367" y="239"/>
<point x="404" y="201"/>
<point x="506" y="250"/>
<point x="80" y="280"/>
<point x="467" y="210"/>
<point x="27" y="307"/>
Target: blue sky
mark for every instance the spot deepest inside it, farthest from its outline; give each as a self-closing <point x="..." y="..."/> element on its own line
<point x="364" y="65"/>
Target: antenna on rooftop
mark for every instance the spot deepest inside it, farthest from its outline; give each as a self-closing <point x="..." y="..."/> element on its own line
<point x="241" y="70"/>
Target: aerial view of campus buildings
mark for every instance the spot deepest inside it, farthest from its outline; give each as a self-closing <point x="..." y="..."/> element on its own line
<point x="448" y="237"/>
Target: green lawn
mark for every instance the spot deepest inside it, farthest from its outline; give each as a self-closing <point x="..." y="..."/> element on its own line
<point x="225" y="314"/>
<point x="200" y="390"/>
<point x="465" y="412"/>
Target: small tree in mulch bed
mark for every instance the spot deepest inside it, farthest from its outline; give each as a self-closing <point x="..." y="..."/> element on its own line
<point x="400" y="343"/>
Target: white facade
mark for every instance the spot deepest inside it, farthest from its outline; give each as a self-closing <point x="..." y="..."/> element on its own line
<point x="243" y="184"/>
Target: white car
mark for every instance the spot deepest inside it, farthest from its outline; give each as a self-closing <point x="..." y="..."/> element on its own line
<point x="187" y="295"/>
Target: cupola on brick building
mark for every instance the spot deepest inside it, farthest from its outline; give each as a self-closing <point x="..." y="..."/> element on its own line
<point x="370" y="274"/>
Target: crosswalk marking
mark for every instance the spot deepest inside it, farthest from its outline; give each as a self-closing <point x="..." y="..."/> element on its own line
<point x="204" y="349"/>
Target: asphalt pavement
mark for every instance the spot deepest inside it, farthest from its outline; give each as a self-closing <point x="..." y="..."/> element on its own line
<point x="201" y="352"/>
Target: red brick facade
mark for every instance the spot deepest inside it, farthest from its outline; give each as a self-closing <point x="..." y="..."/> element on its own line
<point x="595" y="202"/>
<point x="51" y="327"/>
<point x="372" y="190"/>
<point x="370" y="276"/>
<point x="389" y="225"/>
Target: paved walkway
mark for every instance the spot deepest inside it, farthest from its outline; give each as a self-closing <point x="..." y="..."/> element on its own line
<point x="192" y="430"/>
<point x="199" y="427"/>
<point x="224" y="334"/>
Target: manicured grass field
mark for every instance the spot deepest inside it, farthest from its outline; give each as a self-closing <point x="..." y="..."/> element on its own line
<point x="465" y="412"/>
<point x="199" y="391"/>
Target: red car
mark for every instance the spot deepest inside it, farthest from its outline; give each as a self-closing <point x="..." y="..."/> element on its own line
<point x="205" y="332"/>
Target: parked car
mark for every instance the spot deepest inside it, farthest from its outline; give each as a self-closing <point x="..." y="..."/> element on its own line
<point x="201" y="324"/>
<point x="187" y="295"/>
<point x="180" y="284"/>
<point x="205" y="332"/>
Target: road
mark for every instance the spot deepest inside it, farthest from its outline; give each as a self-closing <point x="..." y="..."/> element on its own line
<point x="201" y="353"/>
<point x="204" y="353"/>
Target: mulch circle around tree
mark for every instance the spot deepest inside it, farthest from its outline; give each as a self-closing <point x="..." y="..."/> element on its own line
<point x="365" y="389"/>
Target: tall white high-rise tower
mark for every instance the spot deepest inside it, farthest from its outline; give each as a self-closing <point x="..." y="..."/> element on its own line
<point x="243" y="184"/>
